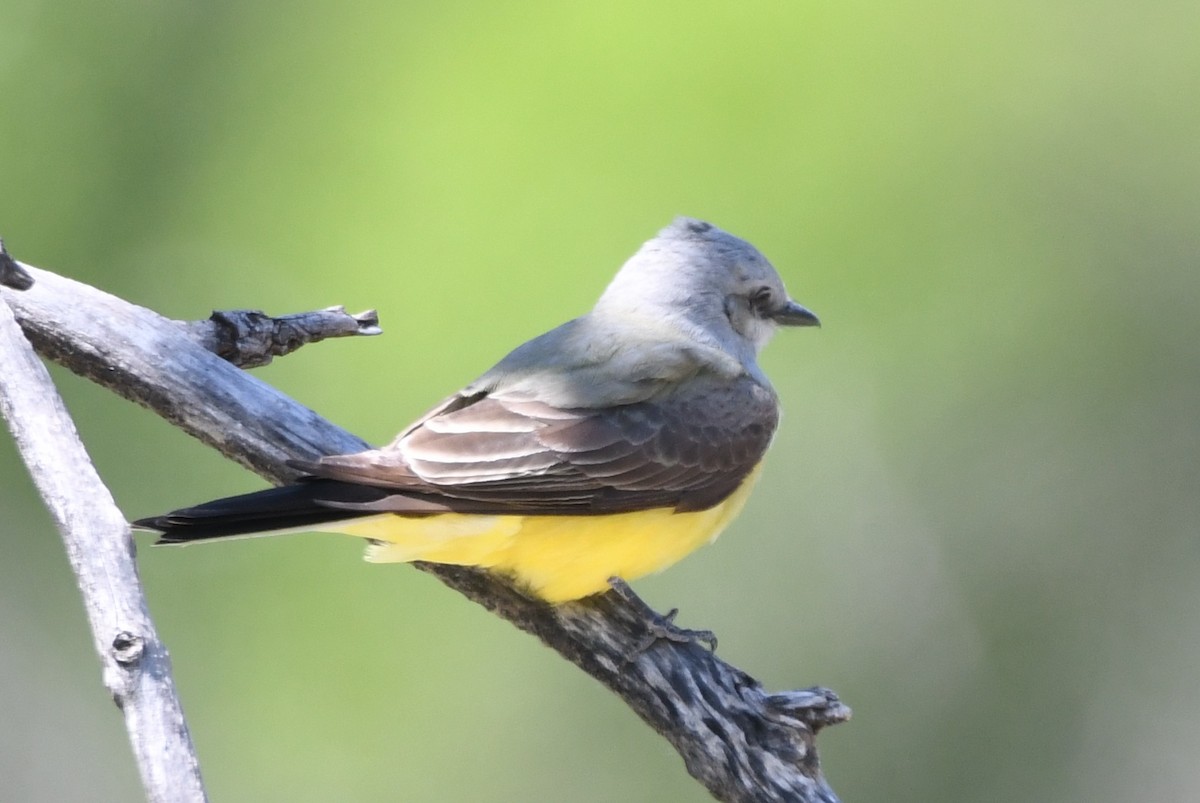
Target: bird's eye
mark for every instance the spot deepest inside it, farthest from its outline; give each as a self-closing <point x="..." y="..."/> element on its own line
<point x="760" y="299"/>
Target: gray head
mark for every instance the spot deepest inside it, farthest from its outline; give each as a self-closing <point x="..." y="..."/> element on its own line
<point x="717" y="287"/>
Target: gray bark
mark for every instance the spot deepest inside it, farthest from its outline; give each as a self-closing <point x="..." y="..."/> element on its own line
<point x="136" y="667"/>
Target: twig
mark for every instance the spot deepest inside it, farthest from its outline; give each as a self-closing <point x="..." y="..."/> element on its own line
<point x="249" y="338"/>
<point x="136" y="667"/>
<point x="741" y="742"/>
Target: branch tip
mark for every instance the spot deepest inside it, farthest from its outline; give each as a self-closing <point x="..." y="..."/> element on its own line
<point x="816" y="707"/>
<point x="251" y="338"/>
<point x="12" y="274"/>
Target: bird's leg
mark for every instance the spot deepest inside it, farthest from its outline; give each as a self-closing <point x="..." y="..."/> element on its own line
<point x="659" y="627"/>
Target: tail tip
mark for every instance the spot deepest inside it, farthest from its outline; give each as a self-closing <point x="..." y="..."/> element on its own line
<point x="160" y="526"/>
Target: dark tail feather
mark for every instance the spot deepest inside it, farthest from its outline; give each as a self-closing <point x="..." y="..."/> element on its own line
<point x="289" y="507"/>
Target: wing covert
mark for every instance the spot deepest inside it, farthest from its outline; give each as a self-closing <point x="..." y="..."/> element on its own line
<point x="488" y="454"/>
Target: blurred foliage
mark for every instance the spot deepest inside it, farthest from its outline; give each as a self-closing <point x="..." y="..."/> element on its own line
<point x="978" y="523"/>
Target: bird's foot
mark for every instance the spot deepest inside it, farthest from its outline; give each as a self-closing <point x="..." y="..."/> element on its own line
<point x="659" y="627"/>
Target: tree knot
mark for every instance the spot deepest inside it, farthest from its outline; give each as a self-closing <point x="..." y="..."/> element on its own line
<point x="127" y="648"/>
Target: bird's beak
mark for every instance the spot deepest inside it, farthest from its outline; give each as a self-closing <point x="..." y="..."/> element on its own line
<point x="795" y="315"/>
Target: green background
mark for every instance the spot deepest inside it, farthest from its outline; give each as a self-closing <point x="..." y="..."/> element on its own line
<point x="978" y="522"/>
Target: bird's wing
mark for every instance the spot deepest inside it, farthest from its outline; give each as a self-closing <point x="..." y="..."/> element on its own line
<point x="488" y="453"/>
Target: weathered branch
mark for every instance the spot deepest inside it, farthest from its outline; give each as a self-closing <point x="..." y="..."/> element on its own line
<point x="249" y="338"/>
<point x="136" y="667"/>
<point x="741" y="742"/>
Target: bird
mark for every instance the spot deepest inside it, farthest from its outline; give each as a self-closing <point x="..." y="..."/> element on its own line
<point x="601" y="451"/>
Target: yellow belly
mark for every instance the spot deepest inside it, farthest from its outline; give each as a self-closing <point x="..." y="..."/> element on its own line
<point x="557" y="558"/>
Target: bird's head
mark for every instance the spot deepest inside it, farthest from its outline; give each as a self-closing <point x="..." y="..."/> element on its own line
<point x="717" y="287"/>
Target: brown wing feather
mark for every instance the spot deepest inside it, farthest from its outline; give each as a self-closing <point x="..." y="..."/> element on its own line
<point x="491" y="454"/>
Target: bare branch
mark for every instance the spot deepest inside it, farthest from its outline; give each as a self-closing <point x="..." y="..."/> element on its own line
<point x="137" y="669"/>
<point x="741" y="742"/>
<point x="149" y="359"/>
<point x="249" y="338"/>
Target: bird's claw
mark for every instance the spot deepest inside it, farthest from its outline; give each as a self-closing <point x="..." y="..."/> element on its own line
<point x="659" y="627"/>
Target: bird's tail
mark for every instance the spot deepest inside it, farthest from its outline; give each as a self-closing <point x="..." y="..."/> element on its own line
<point x="297" y="507"/>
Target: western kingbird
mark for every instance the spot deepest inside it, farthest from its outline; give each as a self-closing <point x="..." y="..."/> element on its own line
<point x="608" y="447"/>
